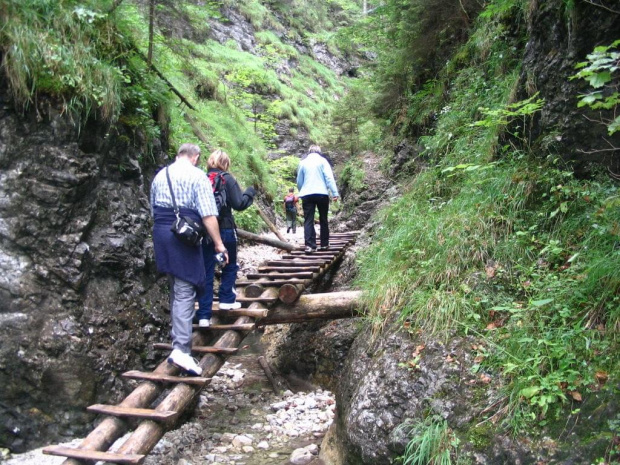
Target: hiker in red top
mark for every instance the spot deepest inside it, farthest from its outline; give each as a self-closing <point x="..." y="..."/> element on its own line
<point x="290" y="208"/>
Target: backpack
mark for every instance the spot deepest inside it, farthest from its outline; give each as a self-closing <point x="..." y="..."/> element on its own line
<point x="289" y="202"/>
<point x="219" y="190"/>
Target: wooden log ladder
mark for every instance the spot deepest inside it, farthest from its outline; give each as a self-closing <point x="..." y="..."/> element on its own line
<point x="269" y="296"/>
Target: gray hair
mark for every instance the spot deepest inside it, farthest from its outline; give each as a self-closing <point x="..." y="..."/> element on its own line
<point x="314" y="149"/>
<point x="188" y="150"/>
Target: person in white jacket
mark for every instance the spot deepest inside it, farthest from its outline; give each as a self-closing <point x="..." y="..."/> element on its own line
<point x="315" y="181"/>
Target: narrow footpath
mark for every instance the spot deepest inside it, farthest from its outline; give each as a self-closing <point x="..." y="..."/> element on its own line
<point x="238" y="418"/>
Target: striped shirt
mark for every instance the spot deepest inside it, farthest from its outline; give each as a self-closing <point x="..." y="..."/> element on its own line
<point x="192" y="188"/>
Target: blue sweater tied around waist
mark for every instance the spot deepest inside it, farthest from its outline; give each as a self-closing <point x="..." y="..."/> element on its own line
<point x="173" y="256"/>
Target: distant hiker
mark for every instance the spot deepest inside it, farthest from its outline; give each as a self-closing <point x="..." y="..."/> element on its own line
<point x="225" y="187"/>
<point x="290" y="209"/>
<point x="315" y="181"/>
<point x="183" y="263"/>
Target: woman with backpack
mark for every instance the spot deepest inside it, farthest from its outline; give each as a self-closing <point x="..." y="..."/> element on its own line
<point x="290" y="209"/>
<point x="228" y="196"/>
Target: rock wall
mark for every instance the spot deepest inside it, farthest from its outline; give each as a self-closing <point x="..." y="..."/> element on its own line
<point x="561" y="36"/>
<point x="397" y="380"/>
<point x="79" y="296"/>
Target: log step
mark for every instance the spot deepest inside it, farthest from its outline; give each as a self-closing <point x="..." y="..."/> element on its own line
<point x="142" y="413"/>
<point x="251" y="312"/>
<point x="321" y="259"/>
<point x="294" y="263"/>
<point x="243" y="327"/>
<point x="332" y="245"/>
<point x="257" y="299"/>
<point x="201" y="349"/>
<point x="317" y="253"/>
<point x="162" y="378"/>
<point x="94" y="455"/>
<point x="291" y="269"/>
<point x="272" y="283"/>
<point x="300" y="275"/>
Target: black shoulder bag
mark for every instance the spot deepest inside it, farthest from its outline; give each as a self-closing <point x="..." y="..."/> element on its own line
<point x="185" y="228"/>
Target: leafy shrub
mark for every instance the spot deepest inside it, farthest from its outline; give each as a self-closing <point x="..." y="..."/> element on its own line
<point x="601" y="72"/>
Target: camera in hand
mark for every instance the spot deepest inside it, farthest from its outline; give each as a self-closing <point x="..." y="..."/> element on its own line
<point x="220" y="259"/>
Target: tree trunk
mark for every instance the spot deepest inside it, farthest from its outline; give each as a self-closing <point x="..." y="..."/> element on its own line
<point x="265" y="240"/>
<point x="330" y="306"/>
<point x="149" y="57"/>
<point x="270" y="224"/>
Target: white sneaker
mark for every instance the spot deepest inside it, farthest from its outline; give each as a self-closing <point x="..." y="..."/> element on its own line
<point x="232" y="306"/>
<point x="185" y="362"/>
<point x="204" y="323"/>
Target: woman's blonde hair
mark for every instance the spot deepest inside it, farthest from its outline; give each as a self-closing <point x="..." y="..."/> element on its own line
<point x="314" y="149"/>
<point x="219" y="160"/>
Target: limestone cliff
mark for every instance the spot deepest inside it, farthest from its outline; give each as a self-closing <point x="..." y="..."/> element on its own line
<point x="79" y="295"/>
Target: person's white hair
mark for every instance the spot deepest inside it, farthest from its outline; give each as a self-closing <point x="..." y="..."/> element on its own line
<point x="188" y="150"/>
<point x="314" y="149"/>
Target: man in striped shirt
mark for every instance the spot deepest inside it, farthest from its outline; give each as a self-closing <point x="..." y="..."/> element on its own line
<point x="183" y="263"/>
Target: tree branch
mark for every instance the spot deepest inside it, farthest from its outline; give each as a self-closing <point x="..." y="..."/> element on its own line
<point x="115" y="5"/>
<point x="613" y="175"/>
<point x="163" y="78"/>
<point x="602" y="6"/>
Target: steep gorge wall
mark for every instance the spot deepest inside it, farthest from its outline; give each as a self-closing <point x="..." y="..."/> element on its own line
<point x="379" y="390"/>
<point x="559" y="37"/>
<point x="79" y="296"/>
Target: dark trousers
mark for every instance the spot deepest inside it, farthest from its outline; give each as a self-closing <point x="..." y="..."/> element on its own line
<point x="309" y="203"/>
<point x="291" y="220"/>
<point x="227" y="293"/>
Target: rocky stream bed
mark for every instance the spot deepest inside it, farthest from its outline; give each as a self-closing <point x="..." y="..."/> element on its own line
<point x="238" y="418"/>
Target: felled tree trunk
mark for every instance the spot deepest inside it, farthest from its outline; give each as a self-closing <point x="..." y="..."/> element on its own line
<point x="270" y="225"/>
<point x="265" y="240"/>
<point x="329" y="306"/>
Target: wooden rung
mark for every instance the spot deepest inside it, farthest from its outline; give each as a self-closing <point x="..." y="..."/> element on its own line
<point x="272" y="283"/>
<point x="292" y="269"/>
<point x="256" y="299"/>
<point x="286" y="263"/>
<point x="143" y="413"/>
<point x="93" y="455"/>
<point x="162" y="378"/>
<point x="252" y="312"/>
<point x="267" y="300"/>
<point x="243" y="327"/>
<point x="201" y="349"/>
<point x="210" y="350"/>
<point x="310" y="257"/>
<point x="301" y="274"/>
<point x="317" y="253"/>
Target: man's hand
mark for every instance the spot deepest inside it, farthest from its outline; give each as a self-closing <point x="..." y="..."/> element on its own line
<point x="220" y="248"/>
<point x="335" y="199"/>
<point x="213" y="229"/>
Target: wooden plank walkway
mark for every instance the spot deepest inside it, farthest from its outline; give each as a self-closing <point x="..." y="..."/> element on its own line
<point x="276" y="281"/>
